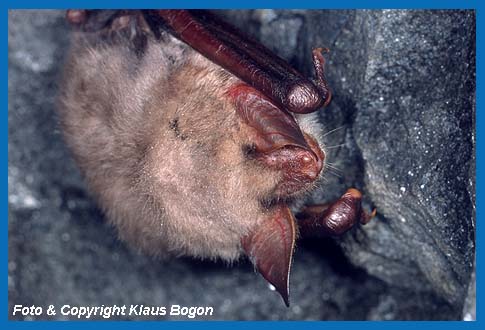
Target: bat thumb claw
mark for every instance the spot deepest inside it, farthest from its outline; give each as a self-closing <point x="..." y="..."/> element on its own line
<point x="366" y="217"/>
<point x="321" y="82"/>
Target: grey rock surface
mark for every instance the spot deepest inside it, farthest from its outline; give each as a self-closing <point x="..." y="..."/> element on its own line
<point x="400" y="127"/>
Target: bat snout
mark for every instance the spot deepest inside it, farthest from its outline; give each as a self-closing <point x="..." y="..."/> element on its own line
<point x="300" y="166"/>
<point x="318" y="153"/>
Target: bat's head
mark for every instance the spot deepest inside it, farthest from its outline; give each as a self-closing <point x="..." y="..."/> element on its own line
<point x="274" y="139"/>
<point x="224" y="164"/>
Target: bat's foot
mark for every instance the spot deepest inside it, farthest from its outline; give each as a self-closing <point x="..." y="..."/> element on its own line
<point x="335" y="218"/>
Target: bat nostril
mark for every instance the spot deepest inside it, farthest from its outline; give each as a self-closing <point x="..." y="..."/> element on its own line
<point x="313" y="167"/>
<point x="317" y="157"/>
<point x="307" y="159"/>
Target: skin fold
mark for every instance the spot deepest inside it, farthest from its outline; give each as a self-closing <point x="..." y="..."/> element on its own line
<point x="183" y="154"/>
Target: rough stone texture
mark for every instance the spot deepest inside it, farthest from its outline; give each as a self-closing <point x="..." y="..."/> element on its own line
<point x="414" y="128"/>
<point x="400" y="127"/>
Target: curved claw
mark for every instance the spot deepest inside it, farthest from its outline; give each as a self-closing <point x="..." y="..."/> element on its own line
<point x="365" y="217"/>
<point x="321" y="82"/>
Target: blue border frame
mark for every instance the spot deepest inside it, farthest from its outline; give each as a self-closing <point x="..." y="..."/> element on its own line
<point x="239" y="4"/>
<point x="282" y="325"/>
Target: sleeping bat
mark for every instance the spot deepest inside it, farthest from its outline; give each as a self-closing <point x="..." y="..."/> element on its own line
<point x="197" y="140"/>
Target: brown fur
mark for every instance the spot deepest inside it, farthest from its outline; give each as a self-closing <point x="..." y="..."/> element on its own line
<point x="162" y="148"/>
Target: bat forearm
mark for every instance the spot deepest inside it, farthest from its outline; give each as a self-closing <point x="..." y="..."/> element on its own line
<point x="244" y="57"/>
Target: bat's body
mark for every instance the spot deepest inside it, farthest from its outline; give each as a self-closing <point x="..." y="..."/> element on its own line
<point x="183" y="155"/>
<point x="159" y="145"/>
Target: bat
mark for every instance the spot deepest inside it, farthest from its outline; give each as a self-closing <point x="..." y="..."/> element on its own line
<point x="196" y="140"/>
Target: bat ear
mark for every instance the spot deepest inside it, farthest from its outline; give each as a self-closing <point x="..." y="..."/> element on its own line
<point x="270" y="248"/>
<point x="276" y="127"/>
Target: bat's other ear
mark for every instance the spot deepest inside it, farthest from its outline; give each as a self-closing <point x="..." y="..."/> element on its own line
<point x="270" y="248"/>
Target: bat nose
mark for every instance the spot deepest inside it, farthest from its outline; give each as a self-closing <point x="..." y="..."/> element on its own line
<point x="316" y="163"/>
<point x="300" y="165"/>
<point x="297" y="161"/>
